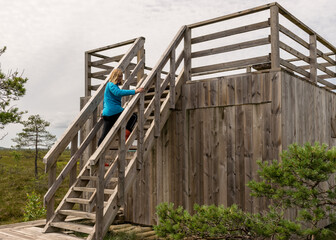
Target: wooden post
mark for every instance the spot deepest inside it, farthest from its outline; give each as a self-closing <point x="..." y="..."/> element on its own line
<point x="87" y="74"/>
<point x="187" y="54"/>
<point x="84" y="131"/>
<point x="100" y="199"/>
<point x="141" y="72"/>
<point x="94" y="122"/>
<point x="313" y="58"/>
<point x="172" y="78"/>
<point x="51" y="203"/>
<point x="157" y="104"/>
<point x="275" y="50"/>
<point x="141" y="121"/>
<point x="73" y="171"/>
<point x="121" y="166"/>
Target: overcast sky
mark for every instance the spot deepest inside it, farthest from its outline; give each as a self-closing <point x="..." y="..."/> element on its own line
<point x="47" y="40"/>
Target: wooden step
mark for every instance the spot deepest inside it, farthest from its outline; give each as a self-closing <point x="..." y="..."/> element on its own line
<point x="76" y="213"/>
<point x="89" y="178"/>
<point x="151" y="94"/>
<point x="78" y="200"/>
<point x="92" y="190"/>
<point x="73" y="226"/>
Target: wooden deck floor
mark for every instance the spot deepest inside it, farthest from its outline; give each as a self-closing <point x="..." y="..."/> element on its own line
<point x="30" y="231"/>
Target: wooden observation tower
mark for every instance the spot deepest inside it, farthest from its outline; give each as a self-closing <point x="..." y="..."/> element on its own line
<point x="225" y="93"/>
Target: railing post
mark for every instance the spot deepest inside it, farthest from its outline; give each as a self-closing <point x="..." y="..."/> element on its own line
<point x="51" y="203"/>
<point x="275" y="50"/>
<point x="87" y="74"/>
<point x="141" y="72"/>
<point x="121" y="166"/>
<point x="313" y="58"/>
<point x="172" y="78"/>
<point x="187" y="54"/>
<point x="73" y="171"/>
<point x="100" y="199"/>
<point x="141" y="122"/>
<point x="157" y="104"/>
<point x="94" y="122"/>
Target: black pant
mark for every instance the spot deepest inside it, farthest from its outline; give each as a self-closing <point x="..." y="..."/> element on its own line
<point x="110" y="120"/>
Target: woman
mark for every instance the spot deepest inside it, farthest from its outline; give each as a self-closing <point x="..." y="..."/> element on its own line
<point x="112" y="104"/>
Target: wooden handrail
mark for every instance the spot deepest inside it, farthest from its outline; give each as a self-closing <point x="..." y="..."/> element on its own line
<point x="51" y="157"/>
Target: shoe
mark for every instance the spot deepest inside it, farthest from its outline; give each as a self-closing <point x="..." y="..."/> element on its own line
<point x="127" y="134"/>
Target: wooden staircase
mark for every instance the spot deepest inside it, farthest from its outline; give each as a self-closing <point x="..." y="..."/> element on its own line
<point x="97" y="193"/>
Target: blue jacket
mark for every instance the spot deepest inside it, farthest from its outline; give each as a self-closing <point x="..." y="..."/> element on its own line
<point x="112" y="99"/>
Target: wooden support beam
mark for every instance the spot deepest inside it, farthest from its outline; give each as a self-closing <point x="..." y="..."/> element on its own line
<point x="112" y="46"/>
<point x="187" y="55"/>
<point x="234" y="64"/>
<point x="100" y="200"/>
<point x="87" y="74"/>
<point x="73" y="171"/>
<point x="141" y="57"/>
<point x="107" y="60"/>
<point x="172" y="79"/>
<point x="50" y="205"/>
<point x="293" y="36"/>
<point x="230" y="32"/>
<point x="121" y="166"/>
<point x="275" y="48"/>
<point x="157" y="104"/>
<point x="295" y="68"/>
<point x="313" y="58"/>
<point x="233" y="15"/>
<point x="232" y="47"/>
<point x="294" y="52"/>
<point x="141" y="134"/>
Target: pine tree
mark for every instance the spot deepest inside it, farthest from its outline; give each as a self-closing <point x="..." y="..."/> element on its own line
<point x="34" y="134"/>
<point x="11" y="89"/>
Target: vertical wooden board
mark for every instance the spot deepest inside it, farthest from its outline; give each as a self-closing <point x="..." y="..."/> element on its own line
<point x="192" y="184"/>
<point x="317" y="115"/>
<point x="214" y="154"/>
<point x="214" y="93"/>
<point x="222" y="154"/>
<point x="255" y="89"/>
<point x="301" y="113"/>
<point x="238" y="90"/>
<point x="192" y="93"/>
<point x="179" y="153"/>
<point x="276" y="114"/>
<point x="154" y="190"/>
<point x="222" y="92"/>
<point x="165" y="166"/>
<point x="247" y="89"/>
<point x="267" y="88"/>
<point x="261" y="79"/>
<point x="159" y="170"/>
<point x="248" y="154"/>
<point x="205" y="128"/>
<point x="310" y="101"/>
<point x="239" y="156"/>
<point x="231" y="91"/>
<point x="230" y="124"/>
<point x="323" y="116"/>
<point x="257" y="141"/>
<point x="199" y="162"/>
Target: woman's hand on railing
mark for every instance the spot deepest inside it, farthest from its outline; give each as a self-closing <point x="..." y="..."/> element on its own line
<point x="139" y="90"/>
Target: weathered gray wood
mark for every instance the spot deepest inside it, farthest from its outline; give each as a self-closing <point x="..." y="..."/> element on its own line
<point x="157" y="104"/>
<point x="233" y="15"/>
<point x="230" y="32"/>
<point x="239" y="63"/>
<point x="294" y="68"/>
<point x="73" y="171"/>
<point x="100" y="201"/>
<point x="50" y="205"/>
<point x="120" y="44"/>
<point x="232" y="47"/>
<point x="187" y="54"/>
<point x="87" y="74"/>
<point x="141" y="121"/>
<point x="73" y="226"/>
<point x="275" y="50"/>
<point x="313" y="58"/>
<point x="121" y="166"/>
<point x="294" y="52"/>
<point x="172" y="79"/>
<point x="293" y="36"/>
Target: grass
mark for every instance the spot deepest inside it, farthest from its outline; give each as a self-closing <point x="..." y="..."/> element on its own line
<point x="17" y="179"/>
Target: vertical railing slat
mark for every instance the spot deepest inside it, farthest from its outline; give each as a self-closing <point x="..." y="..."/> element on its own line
<point x="141" y="121"/>
<point x="87" y="74"/>
<point x="172" y="78"/>
<point x="51" y="203"/>
<point x="121" y="166"/>
<point x="100" y="198"/>
<point x="157" y="104"/>
<point x="187" y="55"/>
<point x="73" y="171"/>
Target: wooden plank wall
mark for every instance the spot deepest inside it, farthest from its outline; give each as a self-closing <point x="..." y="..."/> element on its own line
<point x="232" y="122"/>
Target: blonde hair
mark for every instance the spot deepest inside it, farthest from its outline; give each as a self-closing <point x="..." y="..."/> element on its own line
<point x="116" y="73"/>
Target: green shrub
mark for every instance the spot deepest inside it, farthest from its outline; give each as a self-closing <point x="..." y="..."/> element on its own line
<point x="34" y="208"/>
<point x="301" y="180"/>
